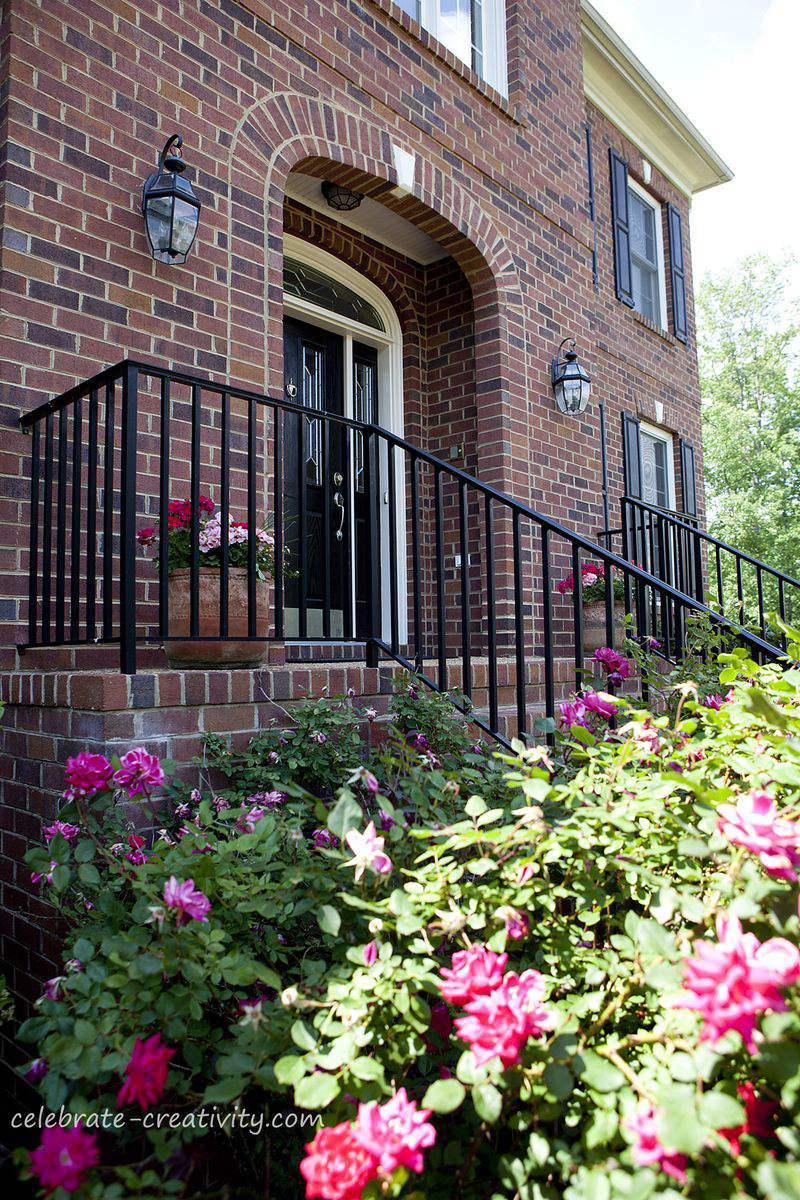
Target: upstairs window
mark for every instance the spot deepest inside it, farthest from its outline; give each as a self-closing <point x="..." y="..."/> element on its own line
<point x="647" y="255"/>
<point x="473" y="30"/>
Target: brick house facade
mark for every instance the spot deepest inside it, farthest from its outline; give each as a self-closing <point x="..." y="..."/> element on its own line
<point x="481" y="225"/>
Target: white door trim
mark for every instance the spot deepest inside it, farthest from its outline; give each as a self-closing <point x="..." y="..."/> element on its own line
<point x="389" y="345"/>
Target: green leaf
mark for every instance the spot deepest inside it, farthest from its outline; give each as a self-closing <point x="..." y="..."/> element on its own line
<point x="302" y="1036"/>
<point x="721" y="1111"/>
<point x="84" y="851"/>
<point x="366" y="1068"/>
<point x="779" y="1181"/>
<point x="559" y="1080"/>
<point x="225" y="1091"/>
<point x="487" y="1101"/>
<point x="85" y="1032"/>
<point x="290" y="1069"/>
<point x="329" y="920"/>
<point x="597" y="1073"/>
<point x="475" y="806"/>
<point x="345" y="815"/>
<point x="316" y="1091"/>
<point x="83" y="950"/>
<point x="444" y="1096"/>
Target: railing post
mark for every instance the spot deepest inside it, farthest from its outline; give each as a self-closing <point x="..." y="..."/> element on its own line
<point x="127" y="548"/>
<point x="372" y="485"/>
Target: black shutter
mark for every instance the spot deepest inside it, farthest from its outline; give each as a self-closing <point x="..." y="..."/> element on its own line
<point x="632" y="456"/>
<point x="680" y="325"/>
<point x="688" y="479"/>
<point x="621" y="224"/>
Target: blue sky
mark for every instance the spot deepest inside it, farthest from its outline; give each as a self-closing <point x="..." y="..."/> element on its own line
<point x="733" y="67"/>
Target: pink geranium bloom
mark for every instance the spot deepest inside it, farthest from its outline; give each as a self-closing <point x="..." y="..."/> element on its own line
<point x="368" y="851"/>
<point x="475" y="972"/>
<point x="139" y="772"/>
<point x="337" y="1166"/>
<point x="146" y="1072"/>
<point x="64" y="1157"/>
<point x="647" y="1150"/>
<point x="184" y="896"/>
<point x="753" y="822"/>
<point x="499" y="1025"/>
<point x="395" y="1133"/>
<point x="732" y="981"/>
<point x="87" y="774"/>
<point x="600" y="704"/>
<point x="70" y="832"/>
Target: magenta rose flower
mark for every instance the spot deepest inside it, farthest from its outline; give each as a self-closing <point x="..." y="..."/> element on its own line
<point x="186" y="899"/>
<point x="146" y="1072"/>
<point x="139" y="772"/>
<point x="64" y="1157"/>
<point x="86" y="774"/>
<point x="475" y="972"/>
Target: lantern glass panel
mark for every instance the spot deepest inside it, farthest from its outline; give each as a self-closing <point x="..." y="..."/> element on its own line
<point x="159" y="226"/>
<point x="184" y="226"/>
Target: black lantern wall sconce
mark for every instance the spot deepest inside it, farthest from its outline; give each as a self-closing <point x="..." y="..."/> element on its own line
<point x="171" y="209"/>
<point x="571" y="384"/>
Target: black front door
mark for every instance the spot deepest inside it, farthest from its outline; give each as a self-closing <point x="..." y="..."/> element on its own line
<point x="318" y="584"/>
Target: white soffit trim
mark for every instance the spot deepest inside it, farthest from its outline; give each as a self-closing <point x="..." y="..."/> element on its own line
<point x="619" y="85"/>
<point x="371" y="218"/>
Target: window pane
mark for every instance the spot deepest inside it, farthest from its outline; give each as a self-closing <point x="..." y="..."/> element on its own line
<point x="654" y="470"/>
<point x="645" y="291"/>
<point x="455" y="27"/>
<point x="364" y="409"/>
<point x="643" y="229"/>
<point x="412" y="7"/>
<point x="309" y="284"/>
<point x="311" y="397"/>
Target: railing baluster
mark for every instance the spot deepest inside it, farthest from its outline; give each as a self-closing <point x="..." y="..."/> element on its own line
<point x="372" y="492"/>
<point x="393" y="583"/>
<point x="326" y="530"/>
<point x="61" y="523"/>
<point x="47" y="529"/>
<point x="547" y="600"/>
<point x="519" y="631"/>
<point x="224" y="511"/>
<point x="760" y="594"/>
<point x="782" y="610"/>
<point x="577" y="614"/>
<point x="491" y="616"/>
<point x="441" y="645"/>
<point x="720" y="595"/>
<point x="194" y="532"/>
<point x="75" y="523"/>
<point x="127" y="574"/>
<point x="108" y="513"/>
<point x="348" y="526"/>
<point x="739" y="588"/>
<point x="163" y="512"/>
<point x="278" y="519"/>
<point x="33" y="545"/>
<point x="252" y="447"/>
<point x="302" y="566"/>
<point x="91" y="521"/>
<point x="625" y="510"/>
<point x="466" y="647"/>
<point x="419" y="640"/>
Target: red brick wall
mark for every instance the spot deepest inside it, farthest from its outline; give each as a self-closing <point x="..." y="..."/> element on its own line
<point x="258" y="89"/>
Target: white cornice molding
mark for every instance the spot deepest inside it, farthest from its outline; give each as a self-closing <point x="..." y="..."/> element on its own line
<point x="617" y="83"/>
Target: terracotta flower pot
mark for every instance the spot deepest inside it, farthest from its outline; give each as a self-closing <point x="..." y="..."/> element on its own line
<point x="223" y="654"/>
<point x="594" y="626"/>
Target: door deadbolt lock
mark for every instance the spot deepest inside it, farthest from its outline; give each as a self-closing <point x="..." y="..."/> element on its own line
<point x="338" y="479"/>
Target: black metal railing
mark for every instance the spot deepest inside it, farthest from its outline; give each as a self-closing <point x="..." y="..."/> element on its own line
<point x="375" y="542"/>
<point x="677" y="550"/>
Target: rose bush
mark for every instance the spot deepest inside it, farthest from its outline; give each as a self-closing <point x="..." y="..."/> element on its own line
<point x="579" y="981"/>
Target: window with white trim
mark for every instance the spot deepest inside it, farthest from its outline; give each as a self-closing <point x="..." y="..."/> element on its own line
<point x="657" y="466"/>
<point x="647" y="255"/>
<point x="473" y="30"/>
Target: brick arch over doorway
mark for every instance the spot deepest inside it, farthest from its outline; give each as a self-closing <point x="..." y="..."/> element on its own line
<point x="285" y="130"/>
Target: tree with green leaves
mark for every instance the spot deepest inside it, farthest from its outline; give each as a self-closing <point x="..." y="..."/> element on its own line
<point x="748" y="323"/>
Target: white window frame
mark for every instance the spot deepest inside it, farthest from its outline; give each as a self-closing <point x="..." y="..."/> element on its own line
<point x="663" y="435"/>
<point x="495" y="55"/>
<point x="652" y="203"/>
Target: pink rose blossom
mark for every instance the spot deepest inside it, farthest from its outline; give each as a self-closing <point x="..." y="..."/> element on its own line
<point x="753" y="822"/>
<point x="70" y="832"/>
<point x="613" y="662"/>
<point x="647" y="1150"/>
<point x="87" y="774"/>
<point x="731" y="981"/>
<point x="714" y="701"/>
<point x="37" y="1070"/>
<point x="336" y="1165"/>
<point x="139" y="772"/>
<point x="146" y="536"/>
<point x="136" y="854"/>
<point x="499" y="1025"/>
<point x="36" y="876"/>
<point x="395" y="1133"/>
<point x="526" y="873"/>
<point x="248" y="820"/>
<point x="368" y="851"/>
<point x="146" y="1072"/>
<point x="64" y="1157"/>
<point x="518" y="925"/>
<point x="475" y="972"/>
<point x="184" y="896"/>
<point x="573" y="712"/>
<point x="603" y="706"/>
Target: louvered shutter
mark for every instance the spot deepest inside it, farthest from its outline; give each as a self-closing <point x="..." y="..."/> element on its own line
<point x="621" y="224"/>
<point x="688" y="479"/>
<point x="632" y="456"/>
<point x="680" y="325"/>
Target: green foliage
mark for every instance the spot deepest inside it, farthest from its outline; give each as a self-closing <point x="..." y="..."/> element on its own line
<point x="617" y="863"/>
<point x="748" y="326"/>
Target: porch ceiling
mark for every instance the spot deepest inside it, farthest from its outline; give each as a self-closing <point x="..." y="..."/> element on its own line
<point x="372" y="218"/>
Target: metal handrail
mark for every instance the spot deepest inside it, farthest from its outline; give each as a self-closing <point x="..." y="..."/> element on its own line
<point x="660" y="606"/>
